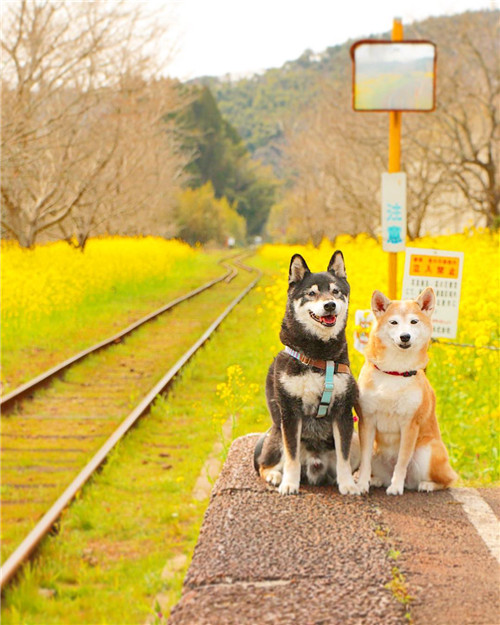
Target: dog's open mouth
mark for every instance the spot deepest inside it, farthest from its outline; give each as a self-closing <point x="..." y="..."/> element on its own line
<point x="329" y="320"/>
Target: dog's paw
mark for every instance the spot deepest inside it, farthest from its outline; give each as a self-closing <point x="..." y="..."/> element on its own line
<point x="288" y="488"/>
<point x="428" y="487"/>
<point x="395" y="489"/>
<point x="363" y="486"/>
<point x="274" y="477"/>
<point x="376" y="482"/>
<point x="349" y="488"/>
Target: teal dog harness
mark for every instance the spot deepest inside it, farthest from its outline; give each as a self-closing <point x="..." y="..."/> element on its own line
<point x="328" y="390"/>
<point x="330" y="370"/>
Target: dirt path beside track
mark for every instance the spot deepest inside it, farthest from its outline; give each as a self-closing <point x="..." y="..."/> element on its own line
<point x="320" y="558"/>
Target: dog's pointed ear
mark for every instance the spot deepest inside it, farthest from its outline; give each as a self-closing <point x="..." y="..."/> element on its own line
<point x="380" y="303"/>
<point x="337" y="265"/>
<point x="298" y="269"/>
<point x="427" y="301"/>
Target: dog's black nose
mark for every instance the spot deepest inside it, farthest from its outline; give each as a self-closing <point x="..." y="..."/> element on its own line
<point x="329" y="306"/>
<point x="405" y="338"/>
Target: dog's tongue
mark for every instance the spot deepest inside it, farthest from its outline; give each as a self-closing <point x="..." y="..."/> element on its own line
<point x="329" y="321"/>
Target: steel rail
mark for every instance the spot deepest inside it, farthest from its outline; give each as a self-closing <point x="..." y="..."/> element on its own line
<point x="8" y="401"/>
<point x="27" y="547"/>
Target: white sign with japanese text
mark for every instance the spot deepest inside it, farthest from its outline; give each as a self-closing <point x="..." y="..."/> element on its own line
<point x="442" y="270"/>
<point x="393" y="212"/>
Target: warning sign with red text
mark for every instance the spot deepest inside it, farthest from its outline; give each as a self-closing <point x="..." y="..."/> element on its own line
<point x="442" y="270"/>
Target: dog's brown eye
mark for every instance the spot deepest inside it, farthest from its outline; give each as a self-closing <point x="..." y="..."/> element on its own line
<point x="393" y="323"/>
<point x="312" y="293"/>
<point x="414" y="321"/>
<point x="335" y="291"/>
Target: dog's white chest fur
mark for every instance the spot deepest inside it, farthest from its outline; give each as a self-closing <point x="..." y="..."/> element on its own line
<point x="390" y="402"/>
<point x="309" y="387"/>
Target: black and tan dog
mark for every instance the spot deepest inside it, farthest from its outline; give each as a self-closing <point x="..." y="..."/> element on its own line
<point x="310" y="390"/>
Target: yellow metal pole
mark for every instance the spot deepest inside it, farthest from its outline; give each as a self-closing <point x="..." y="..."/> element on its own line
<point x="394" y="163"/>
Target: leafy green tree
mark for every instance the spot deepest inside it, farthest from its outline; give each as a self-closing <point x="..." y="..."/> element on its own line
<point x="214" y="144"/>
<point x="219" y="156"/>
<point x="203" y="218"/>
<point x="254" y="194"/>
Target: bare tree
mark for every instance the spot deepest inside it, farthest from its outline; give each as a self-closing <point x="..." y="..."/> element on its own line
<point x="136" y="191"/>
<point x="336" y="157"/>
<point x="469" y="117"/>
<point x="429" y="190"/>
<point x="71" y="72"/>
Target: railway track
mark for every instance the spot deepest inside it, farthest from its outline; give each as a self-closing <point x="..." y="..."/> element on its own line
<point x="9" y="400"/>
<point x="55" y="438"/>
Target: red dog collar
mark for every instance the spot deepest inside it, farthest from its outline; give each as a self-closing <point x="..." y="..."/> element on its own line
<point x="405" y="374"/>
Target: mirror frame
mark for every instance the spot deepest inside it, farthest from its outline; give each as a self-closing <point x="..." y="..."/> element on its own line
<point x="384" y="42"/>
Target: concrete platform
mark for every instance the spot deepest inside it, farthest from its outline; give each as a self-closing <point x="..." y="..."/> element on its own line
<point x="321" y="558"/>
<point x="316" y="557"/>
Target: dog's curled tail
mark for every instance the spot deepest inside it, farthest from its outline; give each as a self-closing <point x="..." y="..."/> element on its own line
<point x="258" y="450"/>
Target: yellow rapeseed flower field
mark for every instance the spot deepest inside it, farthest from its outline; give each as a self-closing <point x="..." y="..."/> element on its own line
<point x="45" y="287"/>
<point x="366" y="265"/>
<point x="55" y="277"/>
<point x="57" y="300"/>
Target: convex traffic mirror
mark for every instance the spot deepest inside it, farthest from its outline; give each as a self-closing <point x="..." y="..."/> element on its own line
<point x="394" y="76"/>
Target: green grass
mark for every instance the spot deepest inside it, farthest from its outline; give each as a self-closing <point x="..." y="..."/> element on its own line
<point x="467" y="388"/>
<point x="139" y="512"/>
<point x="124" y="373"/>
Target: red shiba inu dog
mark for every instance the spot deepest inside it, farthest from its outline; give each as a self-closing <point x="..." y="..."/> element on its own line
<point x="397" y="401"/>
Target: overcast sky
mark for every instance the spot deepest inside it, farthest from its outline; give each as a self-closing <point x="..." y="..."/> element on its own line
<point x="240" y="37"/>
